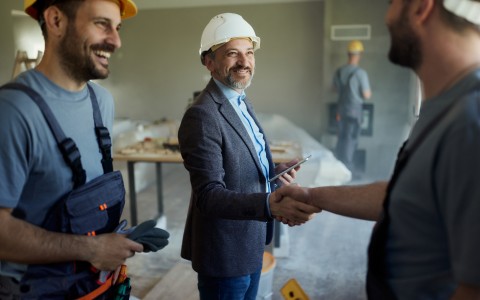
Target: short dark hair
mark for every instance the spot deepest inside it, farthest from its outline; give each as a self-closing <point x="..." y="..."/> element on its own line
<point x="209" y="53"/>
<point x="68" y="7"/>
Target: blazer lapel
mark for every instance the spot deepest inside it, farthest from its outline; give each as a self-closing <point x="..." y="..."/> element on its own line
<point x="231" y="117"/>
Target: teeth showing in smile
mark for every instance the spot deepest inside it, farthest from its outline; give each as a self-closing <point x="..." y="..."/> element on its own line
<point x="103" y="54"/>
<point x="241" y="71"/>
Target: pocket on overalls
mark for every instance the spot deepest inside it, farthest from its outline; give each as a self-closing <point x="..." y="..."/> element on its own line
<point x="91" y="209"/>
<point x="96" y="207"/>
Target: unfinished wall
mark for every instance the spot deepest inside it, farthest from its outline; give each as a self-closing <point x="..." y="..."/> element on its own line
<point x="158" y="68"/>
<point x="391" y="85"/>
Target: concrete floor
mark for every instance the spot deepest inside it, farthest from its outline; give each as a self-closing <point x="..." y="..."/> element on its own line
<point x="327" y="256"/>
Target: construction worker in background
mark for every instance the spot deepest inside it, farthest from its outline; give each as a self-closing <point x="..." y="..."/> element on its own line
<point x="225" y="150"/>
<point x="353" y="88"/>
<point x="425" y="244"/>
<point x="54" y="236"/>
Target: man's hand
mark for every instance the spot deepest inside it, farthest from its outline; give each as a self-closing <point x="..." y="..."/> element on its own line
<point x="289" y="211"/>
<point x="297" y="193"/>
<point x="25" y="243"/>
<point x="108" y="251"/>
<point x="289" y="177"/>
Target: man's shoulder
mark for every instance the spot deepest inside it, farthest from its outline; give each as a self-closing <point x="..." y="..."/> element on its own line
<point x="361" y="71"/>
<point x="203" y="106"/>
<point x="15" y="99"/>
<point x="207" y="98"/>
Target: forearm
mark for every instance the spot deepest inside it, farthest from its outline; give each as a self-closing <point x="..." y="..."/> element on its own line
<point x="25" y="243"/>
<point x="360" y="202"/>
<point x="224" y="203"/>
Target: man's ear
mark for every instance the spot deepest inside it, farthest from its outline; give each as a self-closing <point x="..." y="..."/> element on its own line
<point x="209" y="62"/>
<point x="424" y="9"/>
<point x="55" y="21"/>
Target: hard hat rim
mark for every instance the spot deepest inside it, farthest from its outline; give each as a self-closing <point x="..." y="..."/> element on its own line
<point x="128" y="9"/>
<point x="255" y="40"/>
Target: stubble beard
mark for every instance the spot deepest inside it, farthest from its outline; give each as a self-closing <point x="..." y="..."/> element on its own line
<point x="405" y="48"/>
<point x="76" y="60"/>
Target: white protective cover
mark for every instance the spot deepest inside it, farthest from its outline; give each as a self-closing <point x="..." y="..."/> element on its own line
<point x="467" y="9"/>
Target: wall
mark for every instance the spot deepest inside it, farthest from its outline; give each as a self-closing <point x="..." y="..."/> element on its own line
<point x="391" y="85"/>
<point x="7" y="48"/>
<point x="158" y="68"/>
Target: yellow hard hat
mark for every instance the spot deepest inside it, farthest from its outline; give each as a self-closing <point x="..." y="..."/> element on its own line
<point x="127" y="8"/>
<point x="355" y="47"/>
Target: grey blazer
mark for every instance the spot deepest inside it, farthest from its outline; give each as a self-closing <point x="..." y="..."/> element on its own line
<point x="227" y="223"/>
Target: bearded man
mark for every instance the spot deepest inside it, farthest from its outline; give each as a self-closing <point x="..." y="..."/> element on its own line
<point x="41" y="259"/>
<point x="425" y="244"/>
<point x="227" y="155"/>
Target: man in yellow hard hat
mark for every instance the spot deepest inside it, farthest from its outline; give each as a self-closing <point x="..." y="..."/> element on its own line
<point x="55" y="124"/>
<point x="353" y="88"/>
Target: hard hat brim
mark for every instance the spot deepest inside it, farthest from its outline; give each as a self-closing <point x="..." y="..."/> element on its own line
<point x="128" y="9"/>
<point x="255" y="40"/>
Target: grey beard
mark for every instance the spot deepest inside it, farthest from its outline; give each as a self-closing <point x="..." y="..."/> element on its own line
<point x="237" y="84"/>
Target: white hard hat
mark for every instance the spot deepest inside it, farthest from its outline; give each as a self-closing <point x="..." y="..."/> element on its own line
<point x="467" y="9"/>
<point x="224" y="27"/>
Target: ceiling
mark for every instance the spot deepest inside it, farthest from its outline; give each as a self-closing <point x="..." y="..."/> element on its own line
<point x="152" y="4"/>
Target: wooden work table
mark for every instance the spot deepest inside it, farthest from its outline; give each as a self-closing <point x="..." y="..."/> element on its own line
<point x="154" y="151"/>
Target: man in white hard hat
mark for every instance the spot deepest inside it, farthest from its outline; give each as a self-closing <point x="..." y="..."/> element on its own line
<point x="353" y="88"/>
<point x="227" y="155"/>
<point x="425" y="244"/>
<point x="40" y="258"/>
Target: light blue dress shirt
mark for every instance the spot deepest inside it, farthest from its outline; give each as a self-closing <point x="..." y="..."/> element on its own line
<point x="258" y="140"/>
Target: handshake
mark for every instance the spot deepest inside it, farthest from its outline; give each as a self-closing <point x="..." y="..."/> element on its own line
<point x="292" y="205"/>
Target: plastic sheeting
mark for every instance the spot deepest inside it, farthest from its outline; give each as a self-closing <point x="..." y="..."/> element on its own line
<point x="322" y="168"/>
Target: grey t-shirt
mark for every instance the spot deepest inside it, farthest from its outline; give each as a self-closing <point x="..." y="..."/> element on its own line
<point x="33" y="173"/>
<point x="434" y="233"/>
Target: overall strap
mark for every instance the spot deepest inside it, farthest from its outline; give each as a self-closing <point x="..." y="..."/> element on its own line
<point x="67" y="146"/>
<point x="103" y="136"/>
<point x="350" y="76"/>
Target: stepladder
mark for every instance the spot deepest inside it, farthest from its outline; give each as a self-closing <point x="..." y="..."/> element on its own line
<point x="23" y="62"/>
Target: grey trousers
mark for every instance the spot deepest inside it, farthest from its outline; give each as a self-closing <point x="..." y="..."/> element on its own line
<point x="348" y="133"/>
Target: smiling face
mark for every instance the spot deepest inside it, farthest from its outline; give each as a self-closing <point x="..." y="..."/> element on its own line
<point x="90" y="39"/>
<point x="233" y="64"/>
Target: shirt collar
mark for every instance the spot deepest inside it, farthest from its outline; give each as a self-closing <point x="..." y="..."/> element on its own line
<point x="229" y="92"/>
